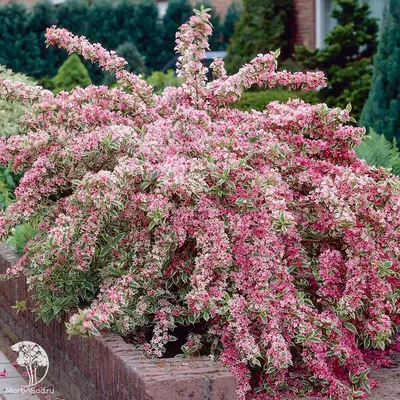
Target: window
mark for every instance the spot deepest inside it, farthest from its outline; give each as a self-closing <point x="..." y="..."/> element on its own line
<point x="162" y="8"/>
<point x="324" y="22"/>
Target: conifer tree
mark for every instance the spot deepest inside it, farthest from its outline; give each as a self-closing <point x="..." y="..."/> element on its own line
<point x="178" y="12"/>
<point x="16" y="50"/>
<point x="42" y="16"/>
<point x="347" y="56"/>
<point x="72" y="73"/>
<point x="382" y="109"/>
<point x="150" y="34"/>
<point x="265" y="25"/>
<point x="231" y="18"/>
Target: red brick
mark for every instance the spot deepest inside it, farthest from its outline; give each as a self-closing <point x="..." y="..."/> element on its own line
<point x="106" y="367"/>
<point x="305" y="23"/>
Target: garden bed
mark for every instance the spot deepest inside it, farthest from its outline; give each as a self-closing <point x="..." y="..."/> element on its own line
<point x="106" y="367"/>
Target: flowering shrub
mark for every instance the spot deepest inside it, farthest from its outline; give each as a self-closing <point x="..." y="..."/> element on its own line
<point x="261" y="232"/>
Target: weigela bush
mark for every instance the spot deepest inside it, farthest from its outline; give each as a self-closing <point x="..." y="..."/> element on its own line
<point x="261" y="232"/>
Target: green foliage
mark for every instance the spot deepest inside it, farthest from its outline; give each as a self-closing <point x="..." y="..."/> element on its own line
<point x="6" y="196"/>
<point x="20" y="236"/>
<point x="160" y="80"/>
<point x="347" y="56"/>
<point x="8" y="182"/>
<point x="22" y="31"/>
<point x="264" y="25"/>
<point x="382" y="109"/>
<point x="71" y="74"/>
<point x="259" y="100"/>
<point x="42" y="15"/>
<point x="231" y="18"/>
<point x="378" y="151"/>
<point x="16" y="50"/>
<point x="150" y="34"/>
<point x="112" y="23"/>
<point x="136" y="62"/>
<point x="178" y="12"/>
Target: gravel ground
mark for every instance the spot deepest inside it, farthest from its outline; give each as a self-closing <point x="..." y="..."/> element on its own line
<point x="389" y="379"/>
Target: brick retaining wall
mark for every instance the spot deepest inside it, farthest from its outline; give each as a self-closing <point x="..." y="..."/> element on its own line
<point x="105" y="367"/>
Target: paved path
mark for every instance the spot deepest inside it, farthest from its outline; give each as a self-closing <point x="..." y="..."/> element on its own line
<point x="12" y="380"/>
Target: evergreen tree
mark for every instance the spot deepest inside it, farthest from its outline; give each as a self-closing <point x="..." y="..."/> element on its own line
<point x="136" y="62"/>
<point x="178" y="12"/>
<point x="73" y="15"/>
<point x="18" y="46"/>
<point x="125" y="14"/>
<point x="264" y="25"/>
<point x="42" y="16"/>
<point x="102" y="24"/>
<point x="382" y="109"/>
<point x="347" y="56"/>
<point x="71" y="74"/>
<point x="231" y="18"/>
<point x="149" y="27"/>
<point x="102" y="28"/>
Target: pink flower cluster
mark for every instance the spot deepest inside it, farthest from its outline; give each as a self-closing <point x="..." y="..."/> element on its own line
<point x="261" y="232"/>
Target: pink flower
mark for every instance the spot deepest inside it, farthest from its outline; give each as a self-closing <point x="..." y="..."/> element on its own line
<point x="260" y="233"/>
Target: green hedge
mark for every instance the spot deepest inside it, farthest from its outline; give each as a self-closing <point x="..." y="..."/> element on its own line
<point x="112" y="23"/>
<point x="258" y="100"/>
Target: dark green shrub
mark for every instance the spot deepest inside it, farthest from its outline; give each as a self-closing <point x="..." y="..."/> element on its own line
<point x="264" y="25"/>
<point x="160" y="80"/>
<point x="71" y="74"/>
<point x="347" y="57"/>
<point x="41" y="16"/>
<point x="382" y="109"/>
<point x="136" y="62"/>
<point x="178" y="12"/>
<point x="150" y="34"/>
<point x="231" y="18"/>
<point x="18" y="49"/>
<point x="20" y="236"/>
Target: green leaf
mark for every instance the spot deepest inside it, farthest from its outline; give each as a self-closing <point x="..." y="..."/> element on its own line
<point x="135" y="285"/>
<point x="350" y="327"/>
<point x="145" y="185"/>
<point x="114" y="271"/>
<point x="119" y="237"/>
<point x="88" y="285"/>
<point x="57" y="309"/>
<point x="152" y="225"/>
<point x="104" y="251"/>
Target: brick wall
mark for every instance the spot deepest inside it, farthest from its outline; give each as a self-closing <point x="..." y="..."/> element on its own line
<point x="221" y="6"/>
<point x="305" y="23"/>
<point x="106" y="367"/>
